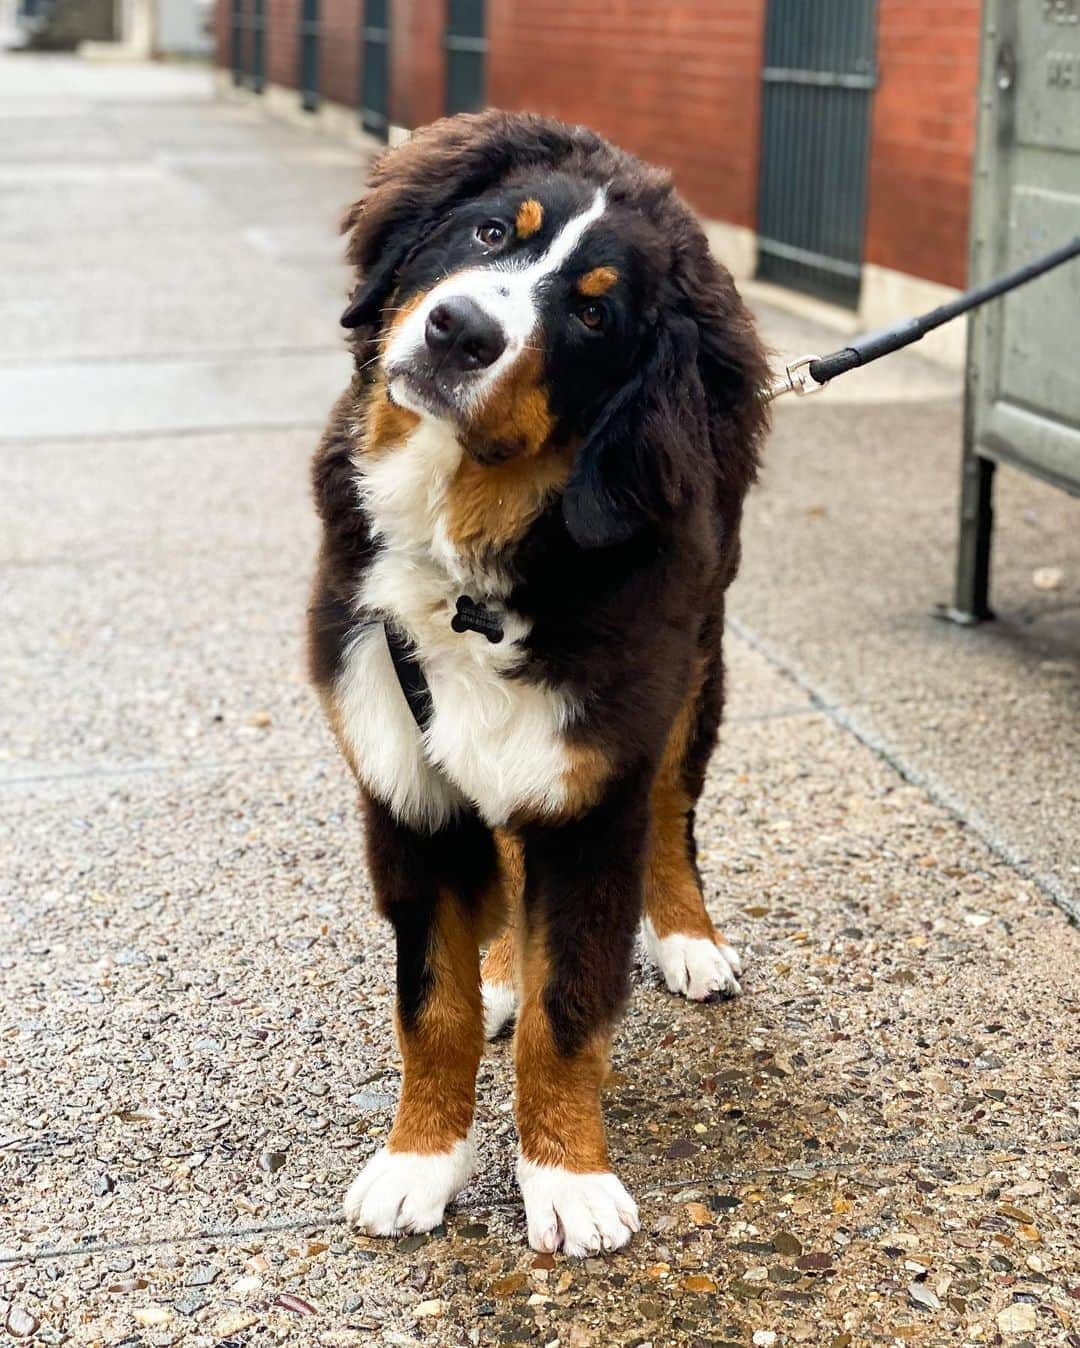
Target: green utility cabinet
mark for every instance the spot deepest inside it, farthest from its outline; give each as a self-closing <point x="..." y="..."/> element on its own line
<point x="1023" y="371"/>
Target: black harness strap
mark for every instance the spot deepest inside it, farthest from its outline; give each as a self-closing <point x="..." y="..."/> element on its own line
<point x="409" y="675"/>
<point x="469" y="617"/>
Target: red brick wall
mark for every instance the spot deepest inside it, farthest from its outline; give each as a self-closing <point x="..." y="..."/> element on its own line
<point x="417" y="62"/>
<point x="283" y="41"/>
<point x="339" y="50"/>
<point x="222" y="33"/>
<point x="676" y="81"/>
<point x="679" y="82"/>
<point x="923" y="137"/>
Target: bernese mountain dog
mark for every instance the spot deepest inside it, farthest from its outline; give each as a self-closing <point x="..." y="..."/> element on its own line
<point x="530" y="496"/>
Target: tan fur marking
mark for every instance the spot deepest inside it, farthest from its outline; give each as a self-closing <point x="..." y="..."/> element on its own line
<point x="530" y="217"/>
<point x="558" y="1099"/>
<point x="500" y="962"/>
<point x="512" y="468"/>
<point x="598" y="281"/>
<point x="516" y="419"/>
<point x="333" y="716"/>
<point x="442" y="1053"/>
<point x="511" y="856"/>
<point x="673" y="901"/>
<point x="587" y="773"/>
<point x="498" y="966"/>
<point x="491" y="506"/>
<point x="387" y="426"/>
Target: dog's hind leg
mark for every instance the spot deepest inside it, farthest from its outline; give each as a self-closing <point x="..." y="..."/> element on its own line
<point x="500" y="983"/>
<point x="679" y="937"/>
<point x="441" y="893"/>
<point x="499" y="972"/>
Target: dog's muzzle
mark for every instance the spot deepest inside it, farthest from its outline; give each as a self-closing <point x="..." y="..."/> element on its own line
<point x="461" y="337"/>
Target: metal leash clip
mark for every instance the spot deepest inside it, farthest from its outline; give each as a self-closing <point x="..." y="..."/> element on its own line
<point x="796" y="379"/>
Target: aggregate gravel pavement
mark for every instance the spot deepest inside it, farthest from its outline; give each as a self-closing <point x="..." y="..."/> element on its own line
<point x="876" y="1144"/>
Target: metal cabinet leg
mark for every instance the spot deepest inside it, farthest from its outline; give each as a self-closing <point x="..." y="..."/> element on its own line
<point x="971" y="597"/>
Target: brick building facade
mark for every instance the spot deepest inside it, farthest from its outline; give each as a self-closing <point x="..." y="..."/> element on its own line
<point x="691" y="84"/>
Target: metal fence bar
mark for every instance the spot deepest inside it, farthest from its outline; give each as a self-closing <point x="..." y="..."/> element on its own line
<point x="257" y="73"/>
<point x="818" y="81"/>
<point x="465" y="42"/>
<point x="309" y="55"/>
<point x="375" y="69"/>
<point x="236" y="41"/>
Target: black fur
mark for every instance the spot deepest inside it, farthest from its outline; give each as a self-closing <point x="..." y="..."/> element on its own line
<point x="411" y="870"/>
<point x="622" y="577"/>
<point x="583" y="890"/>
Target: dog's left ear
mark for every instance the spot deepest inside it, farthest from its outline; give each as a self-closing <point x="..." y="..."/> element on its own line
<point x="692" y="418"/>
<point x="650" y="442"/>
<point x="380" y="279"/>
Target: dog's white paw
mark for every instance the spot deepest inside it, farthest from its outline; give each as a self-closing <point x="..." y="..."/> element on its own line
<point x="500" y="1007"/>
<point x="692" y="965"/>
<point x="582" y="1214"/>
<point x="400" y="1191"/>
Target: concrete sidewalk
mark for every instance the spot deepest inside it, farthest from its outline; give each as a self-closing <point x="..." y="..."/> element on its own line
<point x="877" y="1144"/>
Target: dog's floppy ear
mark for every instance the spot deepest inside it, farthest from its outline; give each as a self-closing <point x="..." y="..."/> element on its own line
<point x="732" y="363"/>
<point x="412" y="187"/>
<point x="378" y="280"/>
<point x="691" y="418"/>
<point x="647" y="447"/>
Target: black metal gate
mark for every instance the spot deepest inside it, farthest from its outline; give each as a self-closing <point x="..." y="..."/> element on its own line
<point x="375" y="68"/>
<point x="819" y="80"/>
<point x="466" y="50"/>
<point x="236" y="41"/>
<point x="257" y="72"/>
<point x="309" y="55"/>
<point x="248" y="43"/>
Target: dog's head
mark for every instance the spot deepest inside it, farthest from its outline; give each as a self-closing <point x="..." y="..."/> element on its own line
<point x="535" y="287"/>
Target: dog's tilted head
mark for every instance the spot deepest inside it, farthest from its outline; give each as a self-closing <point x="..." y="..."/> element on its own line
<point x="541" y="290"/>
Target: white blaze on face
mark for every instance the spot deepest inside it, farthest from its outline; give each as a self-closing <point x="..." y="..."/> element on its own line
<point x="508" y="293"/>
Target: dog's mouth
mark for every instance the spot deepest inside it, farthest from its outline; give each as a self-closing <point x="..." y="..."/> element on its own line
<point x="432" y="394"/>
<point x="425" y="391"/>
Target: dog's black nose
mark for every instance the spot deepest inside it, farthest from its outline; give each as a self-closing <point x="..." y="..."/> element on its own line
<point x="463" y="336"/>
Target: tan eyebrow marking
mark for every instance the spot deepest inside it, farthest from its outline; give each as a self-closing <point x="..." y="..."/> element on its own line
<point x="530" y="217"/>
<point x="598" y="281"/>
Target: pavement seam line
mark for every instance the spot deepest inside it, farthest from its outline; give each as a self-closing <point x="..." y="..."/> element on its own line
<point x="152" y="768"/>
<point x="941" y="796"/>
<point x="321" y="1221"/>
<point x="204" y="356"/>
<point x="158" y="432"/>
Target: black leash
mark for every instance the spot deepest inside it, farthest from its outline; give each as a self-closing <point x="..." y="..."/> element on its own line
<point x="810" y="374"/>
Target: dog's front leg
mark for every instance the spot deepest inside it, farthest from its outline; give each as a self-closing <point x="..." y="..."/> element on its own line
<point x="583" y="885"/>
<point x="440" y="892"/>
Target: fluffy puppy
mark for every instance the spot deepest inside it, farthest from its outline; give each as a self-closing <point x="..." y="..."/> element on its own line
<point x="530" y="495"/>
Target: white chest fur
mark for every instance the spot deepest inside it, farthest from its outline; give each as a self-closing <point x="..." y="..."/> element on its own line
<point x="493" y="740"/>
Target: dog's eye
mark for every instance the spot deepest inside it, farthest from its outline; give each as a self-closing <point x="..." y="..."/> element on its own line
<point x="492" y="233"/>
<point x="592" y="315"/>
